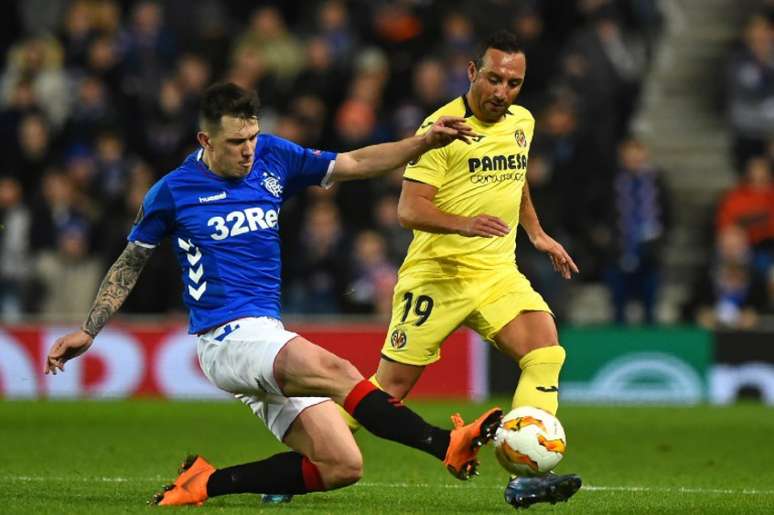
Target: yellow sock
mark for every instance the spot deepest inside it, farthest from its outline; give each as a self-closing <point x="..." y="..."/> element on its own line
<point x="539" y="382"/>
<point x="353" y="424"/>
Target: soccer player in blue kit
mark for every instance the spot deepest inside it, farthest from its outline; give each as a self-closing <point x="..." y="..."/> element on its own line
<point x="221" y="210"/>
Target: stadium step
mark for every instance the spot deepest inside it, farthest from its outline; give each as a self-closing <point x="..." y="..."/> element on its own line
<point x="682" y="122"/>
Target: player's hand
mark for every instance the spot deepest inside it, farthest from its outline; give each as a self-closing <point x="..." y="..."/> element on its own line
<point x="447" y="129"/>
<point x="66" y="348"/>
<point x="485" y="226"/>
<point x="560" y="259"/>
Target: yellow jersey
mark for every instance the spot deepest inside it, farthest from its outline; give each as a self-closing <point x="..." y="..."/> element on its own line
<point x="486" y="176"/>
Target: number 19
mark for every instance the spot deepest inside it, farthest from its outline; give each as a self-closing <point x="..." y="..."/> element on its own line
<point x="422" y="308"/>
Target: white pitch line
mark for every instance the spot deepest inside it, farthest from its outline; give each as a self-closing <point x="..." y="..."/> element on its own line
<point x="368" y="484"/>
<point x="590" y="488"/>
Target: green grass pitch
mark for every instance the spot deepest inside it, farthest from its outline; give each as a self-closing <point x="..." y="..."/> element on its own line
<point x="110" y="456"/>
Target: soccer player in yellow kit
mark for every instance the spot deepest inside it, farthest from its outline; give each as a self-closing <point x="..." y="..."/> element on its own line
<point x="464" y="203"/>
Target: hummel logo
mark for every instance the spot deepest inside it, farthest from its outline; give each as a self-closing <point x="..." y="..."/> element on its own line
<point x="547" y="389"/>
<point x="212" y="198"/>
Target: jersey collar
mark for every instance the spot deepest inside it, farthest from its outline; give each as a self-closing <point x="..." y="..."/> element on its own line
<point x="468" y="110"/>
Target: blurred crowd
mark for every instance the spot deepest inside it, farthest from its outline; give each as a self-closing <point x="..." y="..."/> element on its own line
<point x="98" y="99"/>
<point x="736" y="287"/>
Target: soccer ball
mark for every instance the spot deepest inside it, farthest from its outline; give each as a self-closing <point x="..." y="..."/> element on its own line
<point x="529" y="441"/>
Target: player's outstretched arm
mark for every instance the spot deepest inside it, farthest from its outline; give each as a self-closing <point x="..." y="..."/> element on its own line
<point x="375" y="160"/>
<point x="113" y="291"/>
<point x="560" y="259"/>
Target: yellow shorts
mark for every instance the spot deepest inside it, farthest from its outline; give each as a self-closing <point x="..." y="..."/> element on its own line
<point x="427" y="310"/>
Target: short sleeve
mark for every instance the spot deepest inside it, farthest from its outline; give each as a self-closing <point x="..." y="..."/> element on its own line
<point x="304" y="167"/>
<point x="155" y="219"/>
<point x="430" y="167"/>
<point x="530" y="126"/>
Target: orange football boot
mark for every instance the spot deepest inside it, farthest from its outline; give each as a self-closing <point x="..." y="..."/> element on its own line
<point x="190" y="486"/>
<point x="466" y="440"/>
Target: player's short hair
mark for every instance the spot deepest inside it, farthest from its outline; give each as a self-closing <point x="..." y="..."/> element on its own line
<point x="226" y="99"/>
<point x="501" y="40"/>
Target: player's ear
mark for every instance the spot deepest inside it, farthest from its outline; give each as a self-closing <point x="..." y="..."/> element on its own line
<point x="204" y="140"/>
<point x="472" y="71"/>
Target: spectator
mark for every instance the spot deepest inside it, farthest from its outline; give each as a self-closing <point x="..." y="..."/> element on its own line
<point x="333" y="27"/>
<point x="279" y="49"/>
<point x="52" y="209"/>
<point x="93" y="111"/>
<point x="209" y="30"/>
<point x="80" y="167"/>
<point x="112" y="84"/>
<point x="751" y="91"/>
<point x="317" y="272"/>
<point x="106" y="18"/>
<point x="430" y="84"/>
<point x="150" y="51"/>
<point x="69" y="275"/>
<point x="14" y="248"/>
<point x="21" y="103"/>
<point x="319" y="77"/>
<point x="112" y="167"/>
<point x="356" y="126"/>
<point x="602" y="67"/>
<point x="396" y="238"/>
<point x="291" y="128"/>
<point x="640" y="219"/>
<point x="41" y="16"/>
<point x="34" y="152"/>
<point x="104" y="62"/>
<point x="541" y="55"/>
<point x="39" y="61"/>
<point x="312" y="113"/>
<point x="399" y="30"/>
<point x="193" y="75"/>
<point x="249" y="70"/>
<point x="750" y="205"/>
<point x="372" y="276"/>
<point x="728" y="293"/>
<point x="533" y="263"/>
<point x="457" y="47"/>
<point x="167" y="127"/>
<point x="77" y="33"/>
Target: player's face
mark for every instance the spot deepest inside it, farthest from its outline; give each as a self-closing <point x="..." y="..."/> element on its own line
<point x="496" y="84"/>
<point x="232" y="148"/>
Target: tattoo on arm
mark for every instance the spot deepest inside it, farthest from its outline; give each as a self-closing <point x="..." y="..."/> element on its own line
<point x="118" y="282"/>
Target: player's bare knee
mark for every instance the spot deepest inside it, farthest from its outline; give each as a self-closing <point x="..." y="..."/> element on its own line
<point x="341" y="369"/>
<point x="343" y="471"/>
<point x="351" y="469"/>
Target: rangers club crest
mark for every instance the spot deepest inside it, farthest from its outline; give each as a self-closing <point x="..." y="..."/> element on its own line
<point x="521" y="138"/>
<point x="272" y="184"/>
<point x="398" y="339"/>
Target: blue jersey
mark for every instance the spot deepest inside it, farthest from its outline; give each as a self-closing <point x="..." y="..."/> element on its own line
<point x="225" y="231"/>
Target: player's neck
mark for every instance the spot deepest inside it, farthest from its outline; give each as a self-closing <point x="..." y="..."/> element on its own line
<point x="207" y="160"/>
<point x="473" y="107"/>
